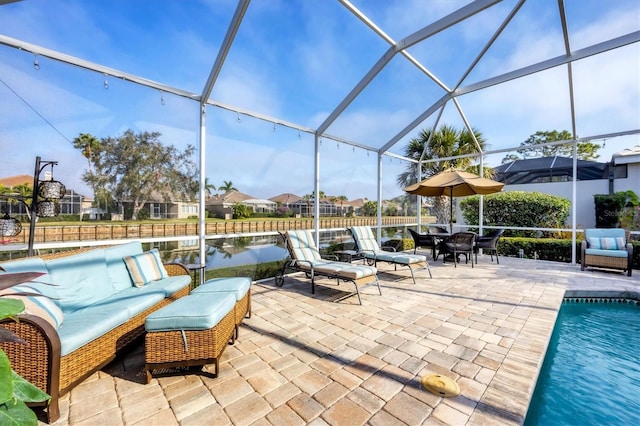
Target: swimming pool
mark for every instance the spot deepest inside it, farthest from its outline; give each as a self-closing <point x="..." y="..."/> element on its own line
<point x="591" y="372"/>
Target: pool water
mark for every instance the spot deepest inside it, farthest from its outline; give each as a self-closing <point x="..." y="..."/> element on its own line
<point x="591" y="372"/>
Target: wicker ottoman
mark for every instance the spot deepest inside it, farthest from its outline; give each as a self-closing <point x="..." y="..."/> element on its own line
<point x="240" y="287"/>
<point x="192" y="331"/>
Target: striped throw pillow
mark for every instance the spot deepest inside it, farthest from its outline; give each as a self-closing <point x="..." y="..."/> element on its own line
<point x="145" y="267"/>
<point x="40" y="306"/>
<point x="621" y="243"/>
<point x="608" y="244"/>
<point x="594" y="243"/>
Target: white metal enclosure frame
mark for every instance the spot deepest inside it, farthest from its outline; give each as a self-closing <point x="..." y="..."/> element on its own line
<point x="450" y="95"/>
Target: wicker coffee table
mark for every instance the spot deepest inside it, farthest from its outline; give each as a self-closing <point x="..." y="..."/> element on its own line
<point x="192" y="331"/>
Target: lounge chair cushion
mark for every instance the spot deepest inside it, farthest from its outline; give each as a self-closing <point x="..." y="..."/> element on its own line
<point x="365" y="239"/>
<point x="340" y="269"/>
<point x="396" y="257"/>
<point x="369" y="247"/>
<point x="302" y="245"/>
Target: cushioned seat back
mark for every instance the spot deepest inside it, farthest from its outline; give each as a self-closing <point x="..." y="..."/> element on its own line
<point x="81" y="279"/>
<point x="302" y="246"/>
<point x="364" y="238"/>
<point x="117" y="269"/>
<point x="605" y="238"/>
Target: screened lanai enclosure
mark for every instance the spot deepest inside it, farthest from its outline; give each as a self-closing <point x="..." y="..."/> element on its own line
<point x="313" y="96"/>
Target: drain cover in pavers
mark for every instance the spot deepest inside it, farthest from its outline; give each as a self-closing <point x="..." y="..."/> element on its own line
<point x="440" y="385"/>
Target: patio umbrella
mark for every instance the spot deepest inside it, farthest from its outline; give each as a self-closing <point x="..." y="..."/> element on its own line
<point x="454" y="183"/>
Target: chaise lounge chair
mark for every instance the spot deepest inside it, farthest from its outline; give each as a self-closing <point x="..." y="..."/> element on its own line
<point x="368" y="246"/>
<point x="305" y="257"/>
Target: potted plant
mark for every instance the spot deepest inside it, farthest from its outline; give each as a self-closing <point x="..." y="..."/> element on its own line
<point x="15" y="391"/>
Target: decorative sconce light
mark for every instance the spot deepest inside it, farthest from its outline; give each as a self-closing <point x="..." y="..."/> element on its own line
<point x="9" y="226"/>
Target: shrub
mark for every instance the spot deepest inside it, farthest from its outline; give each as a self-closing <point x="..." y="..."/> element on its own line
<point x="15" y="391"/>
<point x="241" y="211"/>
<point x="518" y="208"/>
<point x="617" y="210"/>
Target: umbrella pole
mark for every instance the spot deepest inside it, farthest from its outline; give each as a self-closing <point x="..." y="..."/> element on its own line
<point x="451" y="208"/>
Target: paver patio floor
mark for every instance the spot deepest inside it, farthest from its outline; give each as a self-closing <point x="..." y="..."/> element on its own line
<point x="305" y="359"/>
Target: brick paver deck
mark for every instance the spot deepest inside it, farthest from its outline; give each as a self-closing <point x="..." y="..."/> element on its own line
<point x="304" y="359"/>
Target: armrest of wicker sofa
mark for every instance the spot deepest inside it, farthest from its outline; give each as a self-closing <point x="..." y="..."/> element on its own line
<point x="39" y="360"/>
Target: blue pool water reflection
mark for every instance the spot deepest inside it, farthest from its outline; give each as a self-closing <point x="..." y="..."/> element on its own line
<point x="239" y="251"/>
<point x="591" y="374"/>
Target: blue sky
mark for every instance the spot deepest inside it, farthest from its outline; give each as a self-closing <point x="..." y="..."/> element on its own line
<point x="297" y="60"/>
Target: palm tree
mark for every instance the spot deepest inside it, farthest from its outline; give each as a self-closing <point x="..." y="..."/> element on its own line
<point x="445" y="142"/>
<point x="342" y="199"/>
<point x="89" y="145"/>
<point x="208" y="187"/>
<point x="227" y="186"/>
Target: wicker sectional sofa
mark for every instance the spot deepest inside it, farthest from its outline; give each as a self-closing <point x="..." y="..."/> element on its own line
<point x="100" y="301"/>
<point x="606" y="248"/>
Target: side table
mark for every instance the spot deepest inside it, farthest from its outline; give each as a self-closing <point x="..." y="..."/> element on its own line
<point x="194" y="267"/>
<point x="349" y="255"/>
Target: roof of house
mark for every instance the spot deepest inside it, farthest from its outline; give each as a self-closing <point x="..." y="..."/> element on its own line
<point x="12" y="181"/>
<point x="286" y="198"/>
<point x="627" y="156"/>
<point x="230" y="197"/>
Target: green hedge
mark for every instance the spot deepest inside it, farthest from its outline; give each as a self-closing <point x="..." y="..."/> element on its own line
<point x="518" y="208"/>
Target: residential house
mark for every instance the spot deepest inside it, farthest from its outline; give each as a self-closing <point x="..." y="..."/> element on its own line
<point x="222" y="205"/>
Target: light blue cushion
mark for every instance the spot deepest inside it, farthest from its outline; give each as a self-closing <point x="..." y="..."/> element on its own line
<point x="193" y="312"/>
<point x="29" y="264"/>
<point x="609" y="253"/>
<point x="81" y="279"/>
<point x="364" y="238"/>
<point x="133" y="300"/>
<point x="40" y="306"/>
<point x="118" y="272"/>
<point x="604" y="233"/>
<point x="396" y="257"/>
<point x="171" y="285"/>
<point x="84" y="325"/>
<point x="43" y="284"/>
<point x="238" y="286"/>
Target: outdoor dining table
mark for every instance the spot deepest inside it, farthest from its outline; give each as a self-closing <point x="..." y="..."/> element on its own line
<point x="438" y="238"/>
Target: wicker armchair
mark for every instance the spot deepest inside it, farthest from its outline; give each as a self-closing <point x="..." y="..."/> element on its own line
<point x="606" y="248"/>
<point x="457" y="244"/>
<point x="489" y="243"/>
<point x="423" y="240"/>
